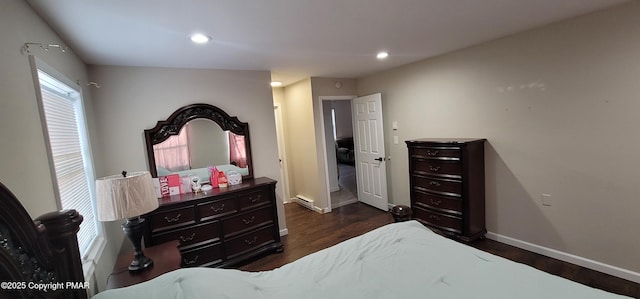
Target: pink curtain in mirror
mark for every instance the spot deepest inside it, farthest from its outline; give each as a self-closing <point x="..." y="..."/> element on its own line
<point x="173" y="153"/>
<point x="236" y="150"/>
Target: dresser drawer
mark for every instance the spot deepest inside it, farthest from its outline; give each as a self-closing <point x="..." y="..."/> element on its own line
<point x="191" y="235"/>
<point x="441" y="221"/>
<point x="442" y="186"/>
<point x="437" y="152"/>
<point x="247" y="221"/>
<point x="438" y="167"/>
<point x="203" y="256"/>
<point x="249" y="241"/>
<point x="173" y="218"/>
<point x="254" y="199"/>
<point x="216" y="209"/>
<point x="442" y="203"/>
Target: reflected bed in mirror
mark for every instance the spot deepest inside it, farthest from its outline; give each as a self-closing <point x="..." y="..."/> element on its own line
<point x="195" y="138"/>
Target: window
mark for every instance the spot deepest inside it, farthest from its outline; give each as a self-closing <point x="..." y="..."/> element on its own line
<point x="69" y="155"/>
<point x="173" y="153"/>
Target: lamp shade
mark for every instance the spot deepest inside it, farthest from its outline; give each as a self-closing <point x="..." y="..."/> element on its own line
<point x="121" y="197"/>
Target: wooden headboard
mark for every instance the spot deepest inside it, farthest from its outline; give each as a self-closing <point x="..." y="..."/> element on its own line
<point x="40" y="253"/>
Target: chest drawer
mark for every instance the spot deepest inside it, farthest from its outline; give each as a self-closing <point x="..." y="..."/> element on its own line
<point x="442" y="186"/>
<point x="442" y="203"/>
<point x="441" y="221"/>
<point x="437" y="152"/>
<point x="216" y="209"/>
<point x="254" y="199"/>
<point x="247" y="221"/>
<point x="173" y="218"/>
<point x="191" y="235"/>
<point x="438" y="167"/>
<point x="249" y="241"/>
<point x="203" y="256"/>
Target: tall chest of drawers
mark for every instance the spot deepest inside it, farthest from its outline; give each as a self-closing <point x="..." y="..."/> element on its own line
<point x="218" y="228"/>
<point x="447" y="185"/>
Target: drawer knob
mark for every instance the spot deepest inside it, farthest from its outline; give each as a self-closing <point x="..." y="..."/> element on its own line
<point x="218" y="209"/>
<point x="432" y="153"/>
<point x="191" y="262"/>
<point x="185" y="239"/>
<point x="432" y="168"/>
<point x="257" y="198"/>
<point x="249" y="221"/>
<point x="169" y="220"/>
<point x="434" y="183"/>
<point x="436" y="202"/>
<point x="249" y="242"/>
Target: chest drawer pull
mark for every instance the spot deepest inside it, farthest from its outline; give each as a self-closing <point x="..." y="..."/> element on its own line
<point x="432" y="168"/>
<point x="434" y="217"/>
<point x="191" y="262"/>
<point x="432" y="153"/>
<point x="253" y="200"/>
<point x="253" y="218"/>
<point x="218" y="209"/>
<point x="249" y="242"/>
<point x="436" y="202"/>
<point x="434" y="183"/>
<point x="169" y="220"/>
<point x="185" y="239"/>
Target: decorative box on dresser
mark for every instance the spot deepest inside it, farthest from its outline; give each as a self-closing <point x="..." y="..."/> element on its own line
<point x="219" y="228"/>
<point x="447" y="185"/>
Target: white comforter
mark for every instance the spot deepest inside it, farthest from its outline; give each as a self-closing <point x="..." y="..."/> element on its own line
<point x="400" y="260"/>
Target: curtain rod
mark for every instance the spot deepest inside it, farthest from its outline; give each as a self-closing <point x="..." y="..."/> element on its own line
<point x="27" y="47"/>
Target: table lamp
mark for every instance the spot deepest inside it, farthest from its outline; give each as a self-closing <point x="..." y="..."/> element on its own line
<point x="128" y="196"/>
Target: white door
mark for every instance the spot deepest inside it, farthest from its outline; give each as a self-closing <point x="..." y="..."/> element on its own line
<point x="370" y="154"/>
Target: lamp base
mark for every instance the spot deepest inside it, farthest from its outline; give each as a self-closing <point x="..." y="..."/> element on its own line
<point x="133" y="229"/>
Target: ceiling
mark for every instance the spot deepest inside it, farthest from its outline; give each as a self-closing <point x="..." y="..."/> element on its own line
<point x="293" y="39"/>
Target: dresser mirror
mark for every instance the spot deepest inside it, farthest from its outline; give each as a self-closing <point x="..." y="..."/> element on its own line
<point x="197" y="137"/>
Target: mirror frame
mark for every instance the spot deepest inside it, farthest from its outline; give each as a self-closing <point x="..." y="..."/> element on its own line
<point x="172" y="126"/>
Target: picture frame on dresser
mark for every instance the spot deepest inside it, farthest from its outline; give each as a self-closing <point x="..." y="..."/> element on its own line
<point x="447" y="185"/>
<point x="220" y="227"/>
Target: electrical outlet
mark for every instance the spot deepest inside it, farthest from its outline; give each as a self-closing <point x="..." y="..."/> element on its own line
<point x="395" y="140"/>
<point x="546" y="199"/>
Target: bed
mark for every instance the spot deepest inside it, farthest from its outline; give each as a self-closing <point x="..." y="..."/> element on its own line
<point x="399" y="260"/>
<point x="39" y="258"/>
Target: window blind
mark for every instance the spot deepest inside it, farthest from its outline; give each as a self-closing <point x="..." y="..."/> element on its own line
<point x="69" y="154"/>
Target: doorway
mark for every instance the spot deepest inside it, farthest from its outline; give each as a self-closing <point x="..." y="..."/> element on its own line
<point x="340" y="155"/>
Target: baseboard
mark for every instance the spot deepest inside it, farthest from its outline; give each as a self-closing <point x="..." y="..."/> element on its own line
<point x="284" y="232"/>
<point x="570" y="258"/>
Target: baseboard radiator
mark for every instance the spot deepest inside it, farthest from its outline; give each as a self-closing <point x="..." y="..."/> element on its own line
<point x="305" y="202"/>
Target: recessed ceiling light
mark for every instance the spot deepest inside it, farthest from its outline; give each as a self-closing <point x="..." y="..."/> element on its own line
<point x="276" y="83"/>
<point x="382" y="55"/>
<point x="200" y="38"/>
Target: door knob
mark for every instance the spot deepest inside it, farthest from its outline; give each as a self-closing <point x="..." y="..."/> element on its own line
<point x="379" y="159"/>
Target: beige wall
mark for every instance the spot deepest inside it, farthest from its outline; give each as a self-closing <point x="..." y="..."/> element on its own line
<point x="24" y="162"/>
<point x="559" y="107"/>
<point x="302" y="113"/>
<point x="133" y="99"/>
<point x="297" y="114"/>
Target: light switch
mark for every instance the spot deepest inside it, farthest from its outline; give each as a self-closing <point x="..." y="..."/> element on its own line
<point x="394" y="125"/>
<point x="395" y="139"/>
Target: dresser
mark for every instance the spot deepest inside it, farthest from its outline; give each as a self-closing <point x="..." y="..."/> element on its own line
<point x="447" y="185"/>
<point x="218" y="228"/>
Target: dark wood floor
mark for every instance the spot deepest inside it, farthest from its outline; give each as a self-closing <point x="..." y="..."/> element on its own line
<point x="310" y="232"/>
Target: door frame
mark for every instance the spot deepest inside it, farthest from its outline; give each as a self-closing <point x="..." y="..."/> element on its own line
<point x="323" y="146"/>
